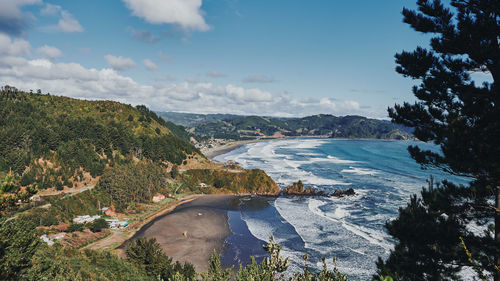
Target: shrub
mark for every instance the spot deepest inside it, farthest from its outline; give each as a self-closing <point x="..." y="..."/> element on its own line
<point x="98" y="225"/>
<point x="75" y="227"/>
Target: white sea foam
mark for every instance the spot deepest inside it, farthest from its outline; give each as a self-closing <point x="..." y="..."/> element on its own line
<point x="359" y="171"/>
<point x="308" y="154"/>
<point x="350" y="226"/>
<point x="375" y="237"/>
<point x="259" y="228"/>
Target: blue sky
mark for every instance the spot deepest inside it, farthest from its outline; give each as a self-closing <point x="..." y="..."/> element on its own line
<point x="265" y="57"/>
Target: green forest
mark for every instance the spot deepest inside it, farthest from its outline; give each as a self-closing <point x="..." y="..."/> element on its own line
<point x="247" y="127"/>
<point x="51" y="141"/>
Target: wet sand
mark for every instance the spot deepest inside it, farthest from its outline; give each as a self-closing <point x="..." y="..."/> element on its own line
<point x="193" y="230"/>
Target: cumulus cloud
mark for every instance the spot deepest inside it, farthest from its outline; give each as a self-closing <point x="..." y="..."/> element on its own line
<point x="49" y="52"/>
<point x="75" y="80"/>
<point x="259" y="79"/>
<point x="149" y="64"/>
<point x="184" y="13"/>
<point x="119" y="63"/>
<point x="67" y="22"/>
<point x="12" y="19"/>
<point x="16" y="47"/>
<point x="215" y="74"/>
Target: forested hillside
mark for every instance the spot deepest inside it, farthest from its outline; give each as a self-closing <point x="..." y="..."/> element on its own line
<point x="247" y="127"/>
<point x="193" y="119"/>
<point x="53" y="141"/>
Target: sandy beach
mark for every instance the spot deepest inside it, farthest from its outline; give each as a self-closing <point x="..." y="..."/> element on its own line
<point x="216" y="151"/>
<point x="193" y="230"/>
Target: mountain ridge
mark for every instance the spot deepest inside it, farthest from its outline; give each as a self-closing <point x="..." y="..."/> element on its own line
<point x="238" y="127"/>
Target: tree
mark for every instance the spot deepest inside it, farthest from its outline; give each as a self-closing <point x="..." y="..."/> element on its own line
<point x="463" y="118"/>
<point x="98" y="225"/>
<point x="147" y="254"/>
<point x="174" y="172"/>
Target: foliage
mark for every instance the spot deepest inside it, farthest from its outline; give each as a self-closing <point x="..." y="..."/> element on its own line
<point x="75" y="227"/>
<point x="174" y="172"/>
<point x="273" y="267"/>
<point x="244" y="127"/>
<point x="215" y="271"/>
<point x="463" y="118"/>
<point x="98" y="225"/>
<point x="132" y="183"/>
<point x="147" y="254"/>
<point x="247" y="181"/>
<point x="47" y="139"/>
<point x="18" y="243"/>
<point x="57" y="263"/>
<point x="9" y="184"/>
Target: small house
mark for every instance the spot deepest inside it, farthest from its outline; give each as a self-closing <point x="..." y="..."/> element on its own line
<point x="85" y="219"/>
<point x="158" y="198"/>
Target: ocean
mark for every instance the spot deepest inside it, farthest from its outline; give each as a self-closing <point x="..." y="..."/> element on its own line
<point x="351" y="229"/>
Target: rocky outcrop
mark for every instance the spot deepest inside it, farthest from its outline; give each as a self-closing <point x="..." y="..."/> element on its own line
<point x="298" y="189"/>
<point x="342" y="193"/>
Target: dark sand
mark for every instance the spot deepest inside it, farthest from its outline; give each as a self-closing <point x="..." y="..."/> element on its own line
<point x="193" y="230"/>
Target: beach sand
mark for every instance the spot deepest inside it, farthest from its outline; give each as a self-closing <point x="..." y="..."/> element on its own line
<point x="219" y="150"/>
<point x="193" y="230"/>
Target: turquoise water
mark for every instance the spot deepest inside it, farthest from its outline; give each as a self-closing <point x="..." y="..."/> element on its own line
<point x="351" y="228"/>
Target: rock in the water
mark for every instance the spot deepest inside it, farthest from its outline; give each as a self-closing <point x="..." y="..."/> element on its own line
<point x="342" y="193"/>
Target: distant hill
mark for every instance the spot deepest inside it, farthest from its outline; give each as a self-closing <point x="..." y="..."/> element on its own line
<point x="247" y="127"/>
<point x="55" y="141"/>
<point x="193" y="119"/>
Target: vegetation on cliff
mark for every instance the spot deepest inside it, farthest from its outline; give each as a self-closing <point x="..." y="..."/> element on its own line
<point x="253" y="181"/>
<point x="53" y="141"/>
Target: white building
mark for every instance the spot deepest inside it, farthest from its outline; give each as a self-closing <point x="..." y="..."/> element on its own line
<point x="86" y="219"/>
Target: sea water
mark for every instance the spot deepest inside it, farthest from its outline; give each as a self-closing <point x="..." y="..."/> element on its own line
<point x="351" y="229"/>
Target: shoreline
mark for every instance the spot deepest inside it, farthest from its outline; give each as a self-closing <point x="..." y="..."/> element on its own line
<point x="223" y="149"/>
<point x="189" y="232"/>
<point x="118" y="238"/>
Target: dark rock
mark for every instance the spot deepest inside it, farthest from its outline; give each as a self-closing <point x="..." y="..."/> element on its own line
<point x="342" y="193"/>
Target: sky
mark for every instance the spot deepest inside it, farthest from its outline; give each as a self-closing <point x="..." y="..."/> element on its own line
<point x="254" y="57"/>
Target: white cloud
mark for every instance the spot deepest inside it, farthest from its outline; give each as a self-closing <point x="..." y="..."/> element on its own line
<point x="12" y="19"/>
<point x="149" y="64"/>
<point x="74" y="80"/>
<point x="50" y="10"/>
<point x="49" y="52"/>
<point x="119" y="63"/>
<point x="67" y="22"/>
<point x="16" y="47"/>
<point x="185" y="13"/>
